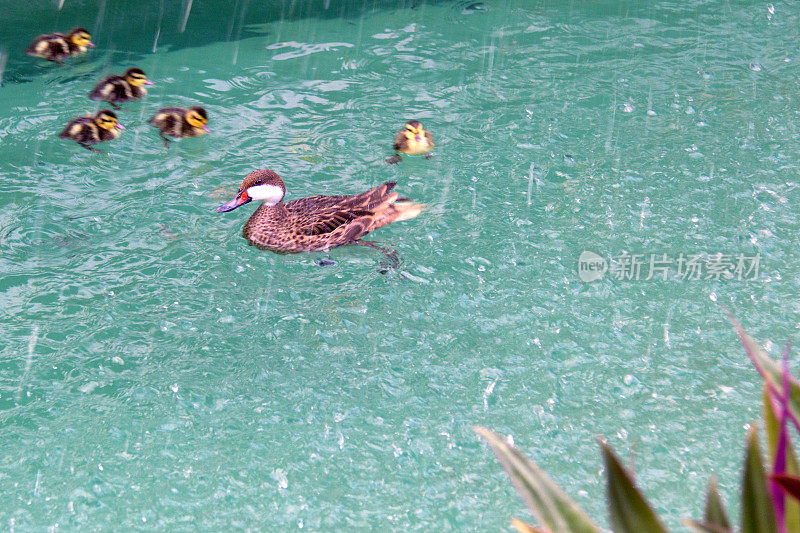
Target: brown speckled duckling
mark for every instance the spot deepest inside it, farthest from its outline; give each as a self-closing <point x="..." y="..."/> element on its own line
<point x="316" y="223"/>
<point x="56" y="46"/>
<point x="180" y="122"/>
<point x="413" y="139"/>
<point x="90" y="130"/>
<point x="123" y="88"/>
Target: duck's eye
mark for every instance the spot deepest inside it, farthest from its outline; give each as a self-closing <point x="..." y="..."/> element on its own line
<point x="195" y="119"/>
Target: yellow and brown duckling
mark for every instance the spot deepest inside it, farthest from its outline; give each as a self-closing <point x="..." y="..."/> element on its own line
<point x="90" y="130"/>
<point x="316" y="223"/>
<point x="413" y="139"/>
<point x="114" y="89"/>
<point x="180" y="122"/>
<point x="56" y="47"/>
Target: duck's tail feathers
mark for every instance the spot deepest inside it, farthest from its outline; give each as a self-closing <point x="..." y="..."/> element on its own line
<point x="395" y="212"/>
<point x="406" y="210"/>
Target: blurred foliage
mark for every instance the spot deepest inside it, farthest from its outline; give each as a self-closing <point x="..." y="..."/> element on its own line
<point x="769" y="494"/>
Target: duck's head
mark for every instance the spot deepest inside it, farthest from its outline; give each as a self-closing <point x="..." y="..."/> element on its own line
<point x="414" y="130"/>
<point x="80" y="37"/>
<point x="107" y="120"/>
<point x="264" y="185"/>
<point x="198" y="118"/>
<point x="136" y="77"/>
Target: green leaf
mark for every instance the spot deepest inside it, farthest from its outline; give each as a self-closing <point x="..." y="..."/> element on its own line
<point x="628" y="511"/>
<point x="772" y="430"/>
<point x="769" y="369"/>
<point x="524" y="527"/>
<point x="548" y="503"/>
<point x="714" y="514"/>
<point x="705" y="527"/>
<point x="758" y="513"/>
<point x="790" y="485"/>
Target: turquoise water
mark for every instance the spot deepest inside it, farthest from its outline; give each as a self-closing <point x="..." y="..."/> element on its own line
<point x="156" y="372"/>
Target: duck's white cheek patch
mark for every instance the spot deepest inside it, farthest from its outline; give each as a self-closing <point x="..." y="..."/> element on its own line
<point x="267" y="193"/>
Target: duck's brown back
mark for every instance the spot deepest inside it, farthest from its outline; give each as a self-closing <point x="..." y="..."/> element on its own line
<point x="172" y="121"/>
<point x="116" y="89"/>
<point x="321" y="222"/>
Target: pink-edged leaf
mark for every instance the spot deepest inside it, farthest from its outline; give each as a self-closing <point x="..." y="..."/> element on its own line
<point x="771" y="408"/>
<point x="524" y="527"/>
<point x="779" y="467"/>
<point x="750" y="347"/>
<point x="771" y="372"/>
<point x="790" y="484"/>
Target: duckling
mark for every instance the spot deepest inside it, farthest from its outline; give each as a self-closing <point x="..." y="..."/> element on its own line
<point x="316" y="223"/>
<point x="90" y="130"/>
<point x="413" y="139"/>
<point x="180" y="122"/>
<point x="56" y="46"/>
<point x="123" y="88"/>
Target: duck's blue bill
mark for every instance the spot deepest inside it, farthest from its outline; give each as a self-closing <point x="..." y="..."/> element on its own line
<point x="241" y="199"/>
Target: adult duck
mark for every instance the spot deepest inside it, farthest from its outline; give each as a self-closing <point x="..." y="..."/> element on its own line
<point x="315" y="223"/>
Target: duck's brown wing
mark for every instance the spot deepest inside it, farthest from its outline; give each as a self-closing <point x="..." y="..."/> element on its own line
<point x="83" y="130"/>
<point x="323" y="222"/>
<point x="53" y="45"/>
<point x="113" y="89"/>
<point x="167" y="119"/>
<point x="429" y="138"/>
<point x="340" y="217"/>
